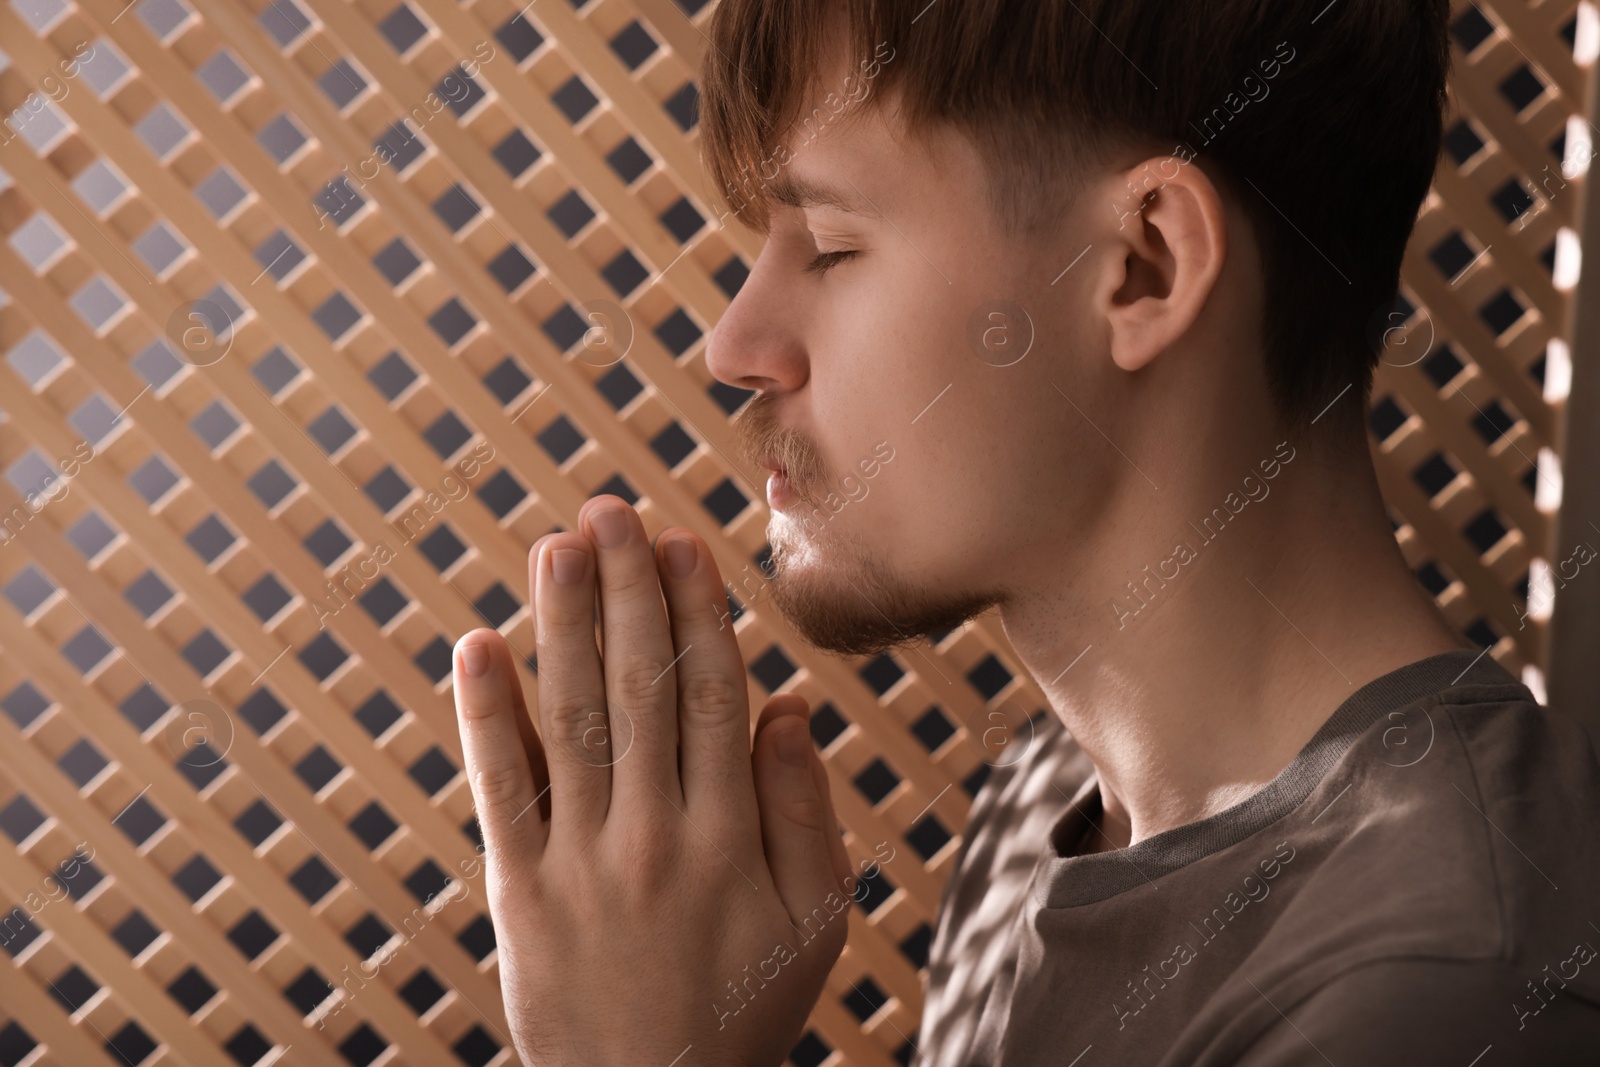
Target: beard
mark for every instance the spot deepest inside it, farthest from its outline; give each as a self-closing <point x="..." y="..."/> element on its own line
<point x="838" y="592"/>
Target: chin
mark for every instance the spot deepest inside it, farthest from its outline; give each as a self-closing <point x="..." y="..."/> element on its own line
<point x="840" y="595"/>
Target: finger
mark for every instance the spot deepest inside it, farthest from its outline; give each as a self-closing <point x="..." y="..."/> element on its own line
<point x="793" y="703"/>
<point x="572" y="698"/>
<point x="794" y="821"/>
<point x="526" y="729"/>
<point x="532" y="746"/>
<point x="641" y="695"/>
<point x="836" y="850"/>
<point x="713" y="699"/>
<point x="504" y="787"/>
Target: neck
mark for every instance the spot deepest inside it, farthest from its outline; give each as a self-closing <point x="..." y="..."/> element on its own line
<point x="1214" y="634"/>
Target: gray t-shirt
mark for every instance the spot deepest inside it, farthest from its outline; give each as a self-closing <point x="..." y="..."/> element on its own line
<point x="1420" y="885"/>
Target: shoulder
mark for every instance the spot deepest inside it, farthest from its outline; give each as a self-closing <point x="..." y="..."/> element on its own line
<point x="1521" y="750"/>
<point x="1410" y="1011"/>
<point x="1529" y="783"/>
<point x="1445" y="898"/>
<point x="1468" y="818"/>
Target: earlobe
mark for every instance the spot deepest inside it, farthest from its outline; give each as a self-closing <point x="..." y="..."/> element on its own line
<point x="1173" y="249"/>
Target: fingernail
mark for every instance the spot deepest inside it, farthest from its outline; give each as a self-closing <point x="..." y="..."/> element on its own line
<point x="475" y="659"/>
<point x="567" y="564"/>
<point x="681" y="557"/>
<point x="792" y="743"/>
<point x="610" y="527"/>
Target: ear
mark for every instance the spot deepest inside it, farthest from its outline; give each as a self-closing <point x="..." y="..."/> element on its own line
<point x="1173" y="252"/>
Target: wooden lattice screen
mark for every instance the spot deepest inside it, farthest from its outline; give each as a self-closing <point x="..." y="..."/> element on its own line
<point x="284" y="288"/>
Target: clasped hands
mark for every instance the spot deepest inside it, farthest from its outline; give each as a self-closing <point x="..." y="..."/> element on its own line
<point x="641" y="855"/>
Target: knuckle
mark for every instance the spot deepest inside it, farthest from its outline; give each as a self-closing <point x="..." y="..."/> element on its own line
<point x="806" y="811"/>
<point x="631" y="601"/>
<point x="498" y="784"/>
<point x="712" y="696"/>
<point x="594" y="741"/>
<point x="639" y="684"/>
<point x="516" y="898"/>
<point x="566" y="627"/>
<point x="633" y="586"/>
<point x="571" y="716"/>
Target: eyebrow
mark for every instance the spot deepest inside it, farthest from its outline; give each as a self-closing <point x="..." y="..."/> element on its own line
<point x="798" y="192"/>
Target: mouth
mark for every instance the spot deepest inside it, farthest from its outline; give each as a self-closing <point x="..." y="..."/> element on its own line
<point x="780" y="493"/>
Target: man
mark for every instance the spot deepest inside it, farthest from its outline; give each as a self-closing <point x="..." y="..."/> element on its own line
<point x="1064" y="310"/>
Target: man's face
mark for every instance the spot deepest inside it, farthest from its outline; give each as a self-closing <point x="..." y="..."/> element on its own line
<point x="917" y="384"/>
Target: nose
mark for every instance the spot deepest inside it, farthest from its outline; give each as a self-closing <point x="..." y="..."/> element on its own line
<point x="760" y="343"/>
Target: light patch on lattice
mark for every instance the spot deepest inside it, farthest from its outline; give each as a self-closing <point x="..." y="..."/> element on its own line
<point x="160" y="247"/>
<point x="39" y="241"/>
<point x="1541" y="589"/>
<point x="164" y="17"/>
<point x="39" y="122"/>
<point x="1547" y="490"/>
<point x="1557" y="370"/>
<point x="1569" y="260"/>
<point x="1579" y="149"/>
<point x="40" y="14"/>
<point x="223" y="75"/>
<point x="105" y="68"/>
<point x="1586" y="41"/>
<point x="101" y="186"/>
<point x="100" y="303"/>
<point x="162" y="131"/>
<point x="36" y="358"/>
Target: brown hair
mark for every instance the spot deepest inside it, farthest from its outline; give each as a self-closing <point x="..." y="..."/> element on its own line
<point x="1322" y="120"/>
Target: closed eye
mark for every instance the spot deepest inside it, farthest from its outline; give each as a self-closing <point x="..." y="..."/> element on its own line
<point x="826" y="261"/>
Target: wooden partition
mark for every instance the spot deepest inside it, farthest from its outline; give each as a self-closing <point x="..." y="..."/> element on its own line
<point x="285" y="288"/>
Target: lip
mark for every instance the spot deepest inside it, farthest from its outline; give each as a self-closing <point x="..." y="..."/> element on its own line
<point x="779" y="493"/>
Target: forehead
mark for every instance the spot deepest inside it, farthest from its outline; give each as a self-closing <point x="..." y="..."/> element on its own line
<point x="841" y="126"/>
<point x="801" y="191"/>
<point x="847" y="149"/>
<point x="862" y="162"/>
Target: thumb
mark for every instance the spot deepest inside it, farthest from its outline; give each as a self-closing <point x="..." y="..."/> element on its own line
<point x="798" y="830"/>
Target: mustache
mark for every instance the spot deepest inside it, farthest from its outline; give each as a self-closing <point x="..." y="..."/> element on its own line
<point x="760" y="434"/>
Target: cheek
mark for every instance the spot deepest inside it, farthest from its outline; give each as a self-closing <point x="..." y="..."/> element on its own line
<point x="905" y="508"/>
<point x="891" y="360"/>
